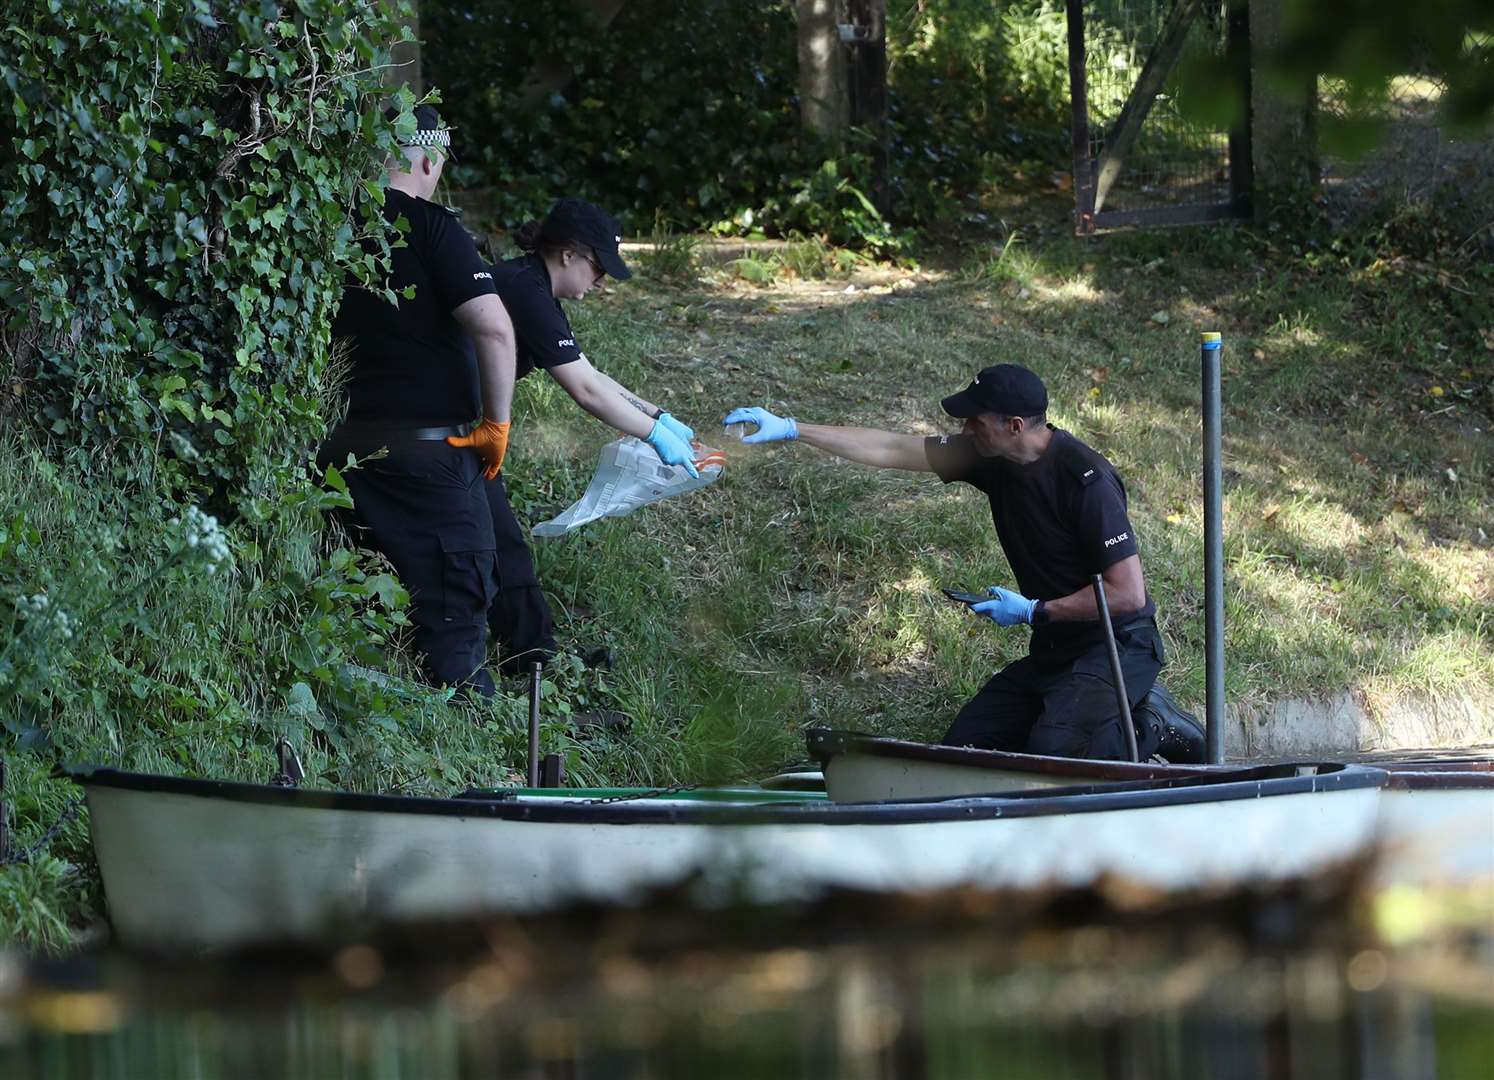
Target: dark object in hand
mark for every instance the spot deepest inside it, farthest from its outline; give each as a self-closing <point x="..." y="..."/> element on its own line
<point x="964" y="597"/>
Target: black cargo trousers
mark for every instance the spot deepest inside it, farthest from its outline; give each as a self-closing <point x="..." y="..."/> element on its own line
<point x="425" y="506"/>
<point x="1061" y="702"/>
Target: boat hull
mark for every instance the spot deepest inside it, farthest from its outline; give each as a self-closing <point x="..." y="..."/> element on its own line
<point x="1437" y="831"/>
<point x="201" y="865"/>
<point x="1436" y="816"/>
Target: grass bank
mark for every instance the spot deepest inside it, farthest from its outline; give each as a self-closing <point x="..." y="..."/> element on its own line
<point x="800" y="589"/>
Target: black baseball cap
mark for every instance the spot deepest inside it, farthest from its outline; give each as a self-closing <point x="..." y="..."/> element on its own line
<point x="1007" y="389"/>
<point x="575" y="221"/>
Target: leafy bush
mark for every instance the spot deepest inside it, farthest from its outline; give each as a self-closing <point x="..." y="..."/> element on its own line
<point x="175" y="244"/>
<point x="193" y="183"/>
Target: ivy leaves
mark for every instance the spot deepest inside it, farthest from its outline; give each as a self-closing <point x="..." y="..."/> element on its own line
<point x="190" y="208"/>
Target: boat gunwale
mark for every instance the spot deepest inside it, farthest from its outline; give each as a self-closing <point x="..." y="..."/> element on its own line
<point x="1225" y="786"/>
<point x="1415" y="779"/>
<point x="827" y="743"/>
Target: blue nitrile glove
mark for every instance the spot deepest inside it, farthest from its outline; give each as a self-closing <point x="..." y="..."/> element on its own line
<point x="684" y="431"/>
<point x="672" y="449"/>
<point x="770" y="428"/>
<point x="1007" y="609"/>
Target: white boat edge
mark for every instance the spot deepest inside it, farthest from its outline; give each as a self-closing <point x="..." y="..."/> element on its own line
<point x="206" y="865"/>
<point x="1436" y="820"/>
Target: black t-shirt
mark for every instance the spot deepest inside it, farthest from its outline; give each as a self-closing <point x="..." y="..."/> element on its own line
<point x="1060" y="519"/>
<point x="412" y="364"/>
<point x="542" y="333"/>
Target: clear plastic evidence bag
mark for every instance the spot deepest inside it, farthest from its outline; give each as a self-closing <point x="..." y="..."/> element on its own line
<point x="629" y="475"/>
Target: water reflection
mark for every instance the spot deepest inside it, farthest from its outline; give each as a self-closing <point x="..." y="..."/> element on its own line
<point x="625" y="1000"/>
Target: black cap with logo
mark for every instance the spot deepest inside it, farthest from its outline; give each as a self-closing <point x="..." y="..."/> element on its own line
<point x="1006" y="389"/>
<point x="575" y="221"/>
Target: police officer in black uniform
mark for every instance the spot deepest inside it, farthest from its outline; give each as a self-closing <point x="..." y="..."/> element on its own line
<point x="566" y="256"/>
<point x="1060" y="514"/>
<point x="423" y="369"/>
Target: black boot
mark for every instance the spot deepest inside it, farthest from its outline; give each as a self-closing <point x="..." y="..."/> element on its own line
<point x="1176" y="735"/>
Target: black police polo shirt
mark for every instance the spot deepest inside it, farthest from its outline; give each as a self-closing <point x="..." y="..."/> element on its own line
<point x="412" y="363"/>
<point x="542" y="333"/>
<point x="1060" y="519"/>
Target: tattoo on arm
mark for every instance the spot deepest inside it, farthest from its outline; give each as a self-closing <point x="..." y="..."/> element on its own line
<point x="641" y="407"/>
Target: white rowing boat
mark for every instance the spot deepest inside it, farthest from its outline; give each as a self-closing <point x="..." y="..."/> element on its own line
<point x="1436" y="820"/>
<point x="200" y="864"/>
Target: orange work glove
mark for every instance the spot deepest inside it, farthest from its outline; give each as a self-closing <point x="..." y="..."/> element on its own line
<point x="490" y="440"/>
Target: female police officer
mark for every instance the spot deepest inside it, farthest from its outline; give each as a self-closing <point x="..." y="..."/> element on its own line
<point x="565" y="256"/>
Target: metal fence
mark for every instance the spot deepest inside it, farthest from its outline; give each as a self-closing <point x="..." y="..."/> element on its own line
<point x="1389" y="146"/>
<point x="1175" y="160"/>
<point x="1151" y="59"/>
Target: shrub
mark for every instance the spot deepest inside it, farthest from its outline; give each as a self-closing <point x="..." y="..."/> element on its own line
<point x="192" y="187"/>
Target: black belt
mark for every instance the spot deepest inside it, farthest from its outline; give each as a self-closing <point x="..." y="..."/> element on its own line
<point x="366" y="431"/>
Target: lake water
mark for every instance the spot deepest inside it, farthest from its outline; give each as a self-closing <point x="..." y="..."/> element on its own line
<point x="1244" y="990"/>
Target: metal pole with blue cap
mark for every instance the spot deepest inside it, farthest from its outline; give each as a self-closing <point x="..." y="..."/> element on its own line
<point x="1213" y="345"/>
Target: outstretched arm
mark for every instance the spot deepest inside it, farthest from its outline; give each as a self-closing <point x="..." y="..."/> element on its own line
<point x="868" y="446"/>
<point x="601" y="397"/>
<point x="865" y="446"/>
<point x="606" y="400"/>
<point x="643" y="405"/>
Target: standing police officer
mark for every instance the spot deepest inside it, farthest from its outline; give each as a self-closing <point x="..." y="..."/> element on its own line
<point x="1060" y="514"/>
<point x="566" y="256"/>
<point x="422" y="369"/>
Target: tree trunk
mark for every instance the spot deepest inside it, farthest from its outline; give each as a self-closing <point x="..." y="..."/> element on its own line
<point x="405" y="56"/>
<point x="1283" y="129"/>
<point x="822" y="70"/>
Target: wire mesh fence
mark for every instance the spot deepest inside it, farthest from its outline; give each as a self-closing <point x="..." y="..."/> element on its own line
<point x="1178" y="159"/>
<point x="1386" y="144"/>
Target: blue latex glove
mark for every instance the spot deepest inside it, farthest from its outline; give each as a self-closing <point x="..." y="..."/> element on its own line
<point x="672" y="449"/>
<point x="684" y="431"/>
<point x="1007" y="609"/>
<point x="770" y="428"/>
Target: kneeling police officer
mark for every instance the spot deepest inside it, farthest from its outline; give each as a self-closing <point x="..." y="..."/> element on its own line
<point x="1060" y="514"/>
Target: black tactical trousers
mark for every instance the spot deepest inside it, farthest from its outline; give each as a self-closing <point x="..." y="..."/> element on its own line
<point x="1064" y="704"/>
<point x="424" y="506"/>
<point x="519" y="616"/>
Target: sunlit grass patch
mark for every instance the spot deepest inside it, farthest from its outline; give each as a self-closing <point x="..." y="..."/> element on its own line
<point x="1354" y="561"/>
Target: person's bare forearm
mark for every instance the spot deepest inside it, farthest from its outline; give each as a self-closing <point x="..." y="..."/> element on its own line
<point x="868" y="446"/>
<point x="1125" y="591"/>
<point x="487" y="323"/>
<point x="643" y="405"/>
<point x="596" y="393"/>
<point x="495" y="367"/>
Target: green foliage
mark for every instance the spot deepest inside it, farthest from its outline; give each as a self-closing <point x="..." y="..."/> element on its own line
<point x="672" y="254"/>
<point x="691" y="111"/>
<point x="175" y="245"/>
<point x="1453" y="38"/>
<point x="194" y="184"/>
<point x="687" y="108"/>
